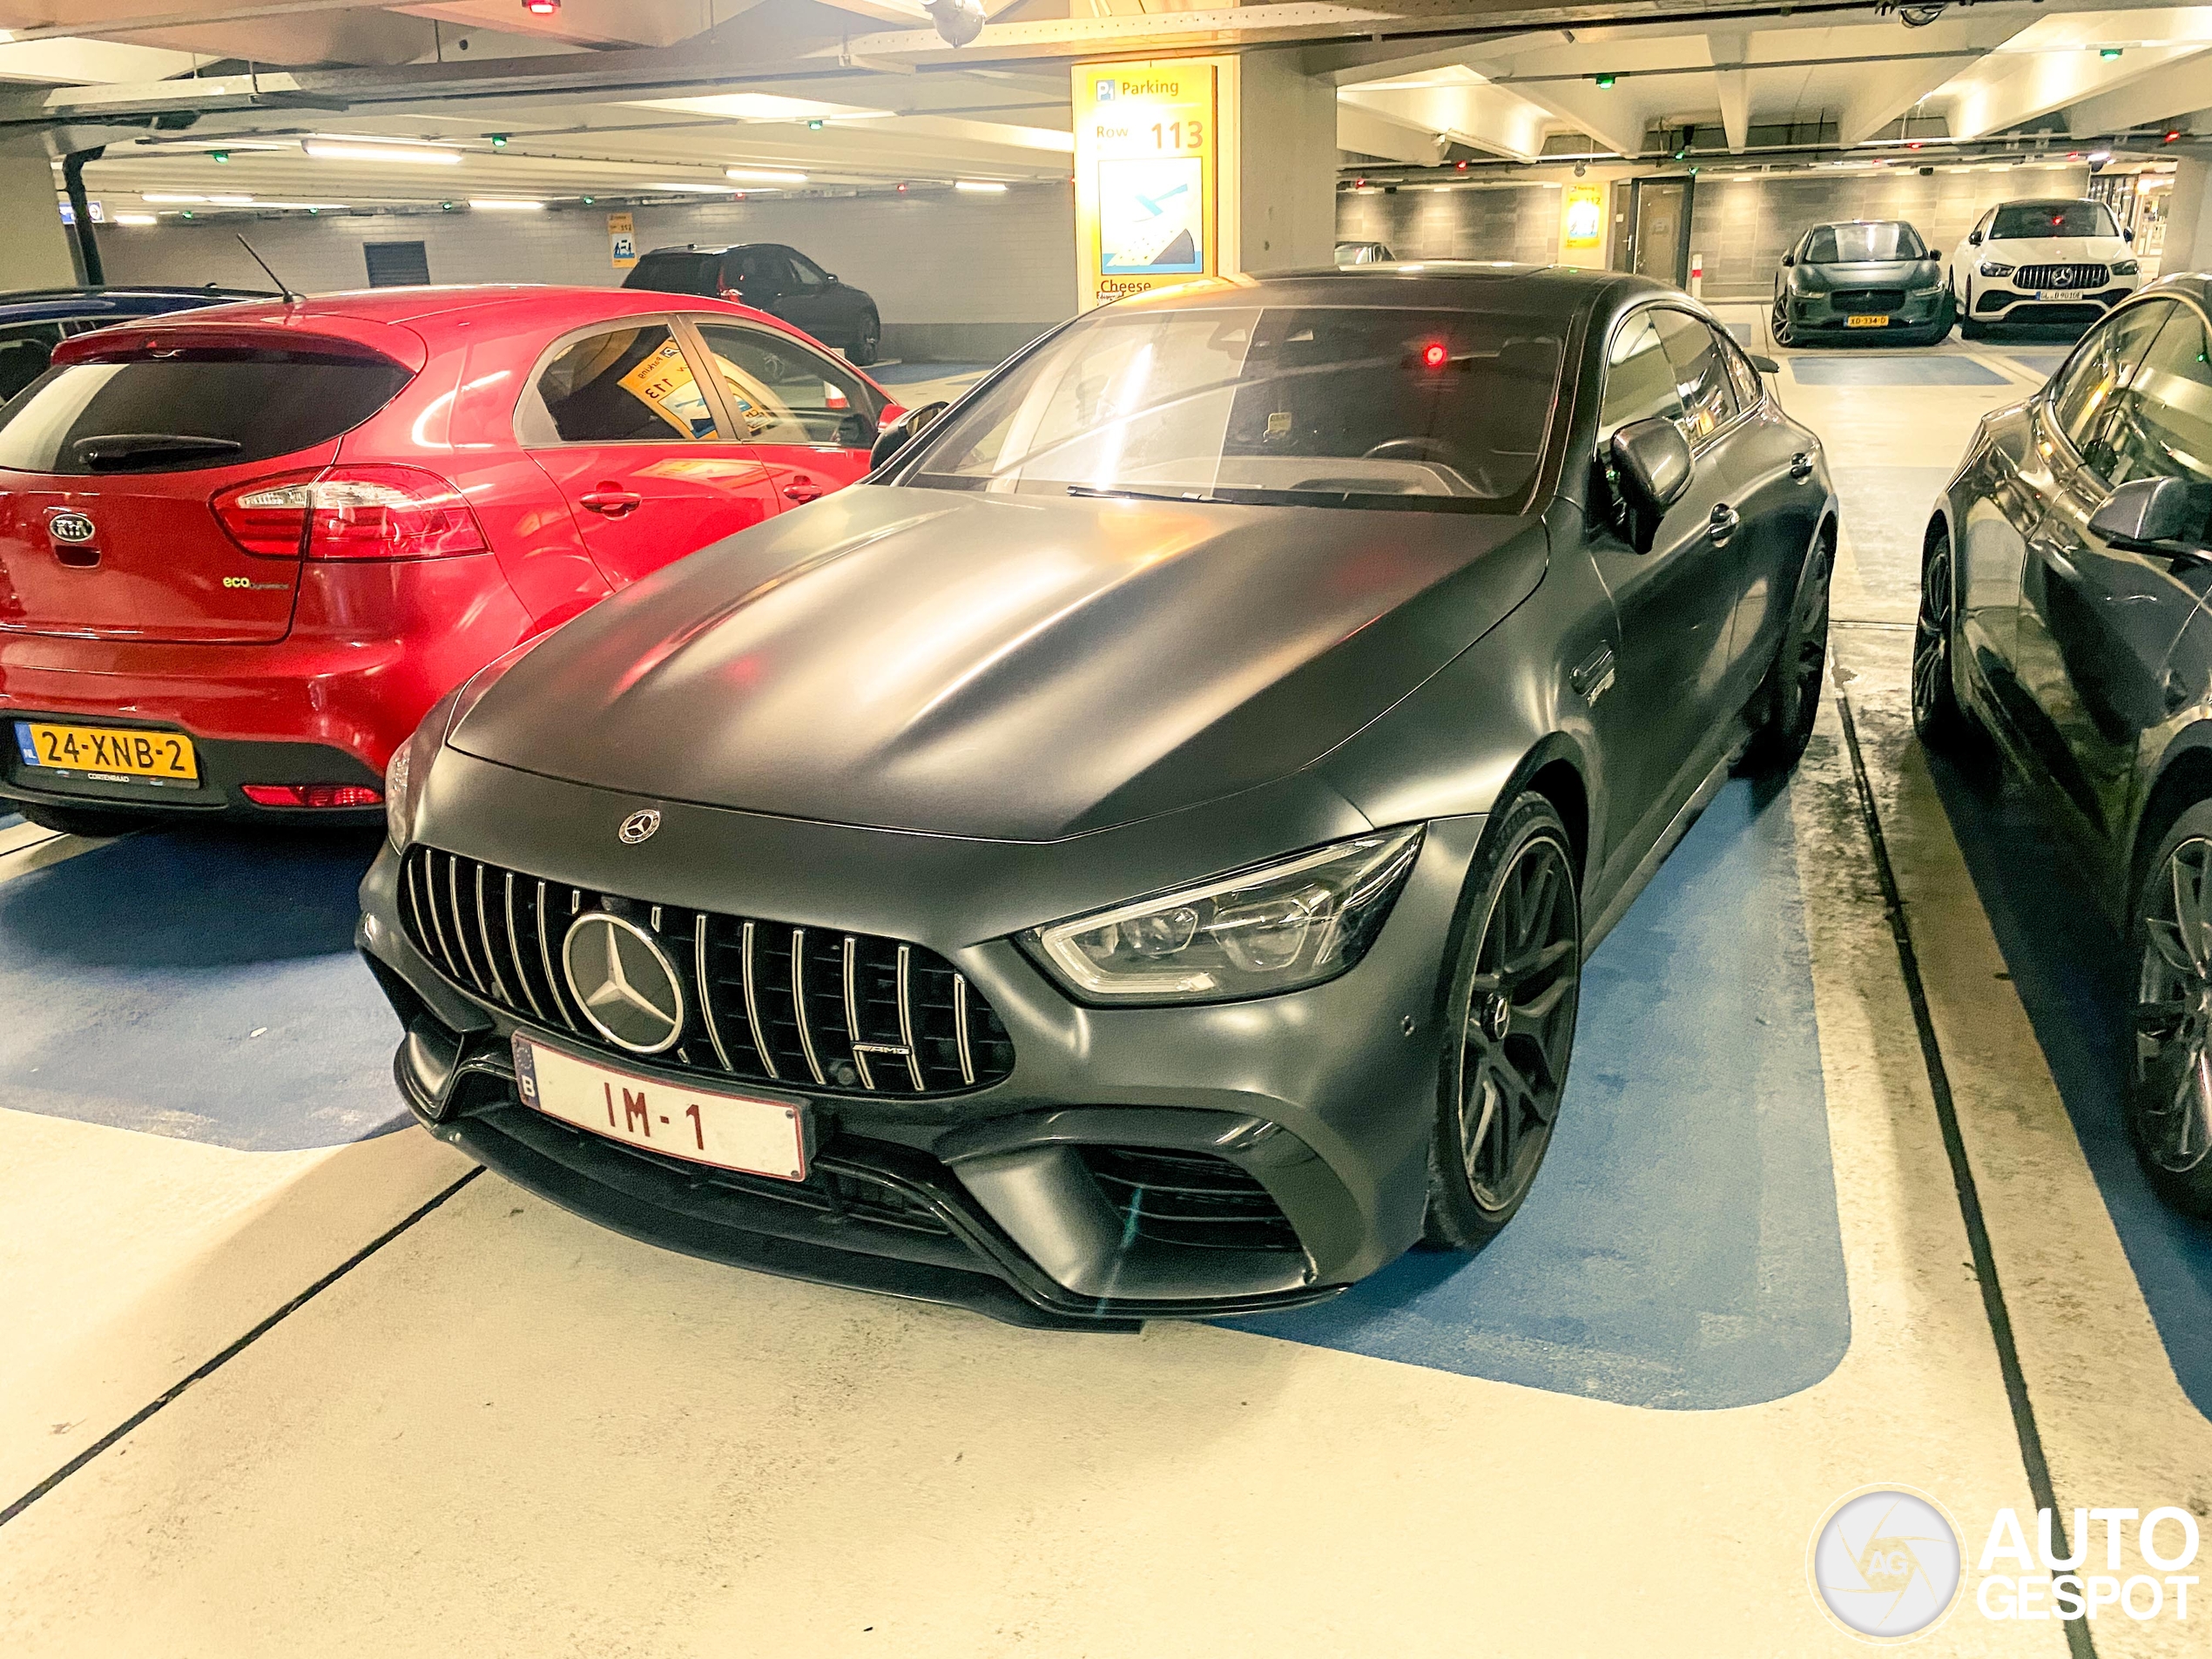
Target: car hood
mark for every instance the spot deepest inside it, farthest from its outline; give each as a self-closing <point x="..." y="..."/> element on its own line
<point x="2054" y="250"/>
<point x="1004" y="666"/>
<point x="1866" y="273"/>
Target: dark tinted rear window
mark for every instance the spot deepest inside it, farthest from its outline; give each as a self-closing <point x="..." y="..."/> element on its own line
<point x="674" y="273"/>
<point x="265" y="404"/>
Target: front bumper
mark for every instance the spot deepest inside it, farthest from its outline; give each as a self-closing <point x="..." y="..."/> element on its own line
<point x="1996" y="302"/>
<point x="1824" y="311"/>
<point x="1302" y="1122"/>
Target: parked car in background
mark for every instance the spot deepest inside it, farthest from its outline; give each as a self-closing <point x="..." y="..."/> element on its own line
<point x="1352" y="254"/>
<point x="1133" y="857"/>
<point x="2044" y="263"/>
<point x="1869" y="278"/>
<point x="35" y="321"/>
<point x="242" y="551"/>
<point x="2062" y="613"/>
<point x="771" y="278"/>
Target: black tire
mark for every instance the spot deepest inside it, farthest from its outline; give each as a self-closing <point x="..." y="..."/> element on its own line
<point x="72" y="820"/>
<point x="1937" y="717"/>
<point x="1508" y="1026"/>
<point x="868" y="341"/>
<point x="2167" y="1089"/>
<point x="1789" y="699"/>
<point x="1970" y="329"/>
<point x="1784" y="331"/>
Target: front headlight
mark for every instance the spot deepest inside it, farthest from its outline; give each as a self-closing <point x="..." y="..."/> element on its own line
<point x="1991" y="268"/>
<point x="2126" y="267"/>
<point x="1251" y="933"/>
<point x="398" y="798"/>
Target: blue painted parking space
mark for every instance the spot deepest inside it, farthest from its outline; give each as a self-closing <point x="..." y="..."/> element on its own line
<point x="1936" y="368"/>
<point x="2045" y="363"/>
<point x="2073" y="977"/>
<point x="200" y="985"/>
<point x="1681" y="1248"/>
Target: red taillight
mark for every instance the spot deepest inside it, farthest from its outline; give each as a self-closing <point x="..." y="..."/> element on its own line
<point x="313" y="794"/>
<point x="351" y="513"/>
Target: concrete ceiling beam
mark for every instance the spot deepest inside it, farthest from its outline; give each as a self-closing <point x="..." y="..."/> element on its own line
<point x="1733" y="87"/>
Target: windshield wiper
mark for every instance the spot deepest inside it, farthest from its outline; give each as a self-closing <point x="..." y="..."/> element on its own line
<point x="1094" y="492"/>
<point x="118" y="450"/>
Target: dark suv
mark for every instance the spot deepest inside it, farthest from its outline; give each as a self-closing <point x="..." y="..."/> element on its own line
<point x="775" y="278"/>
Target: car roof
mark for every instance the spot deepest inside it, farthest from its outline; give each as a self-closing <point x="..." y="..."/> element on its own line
<point x="38" y="305"/>
<point x="1445" y="285"/>
<point x="712" y="247"/>
<point x="434" y="312"/>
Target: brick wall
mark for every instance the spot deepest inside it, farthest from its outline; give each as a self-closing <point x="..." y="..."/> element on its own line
<point x="957" y="278"/>
<point x="1743" y="229"/>
<point x="1478" y="222"/>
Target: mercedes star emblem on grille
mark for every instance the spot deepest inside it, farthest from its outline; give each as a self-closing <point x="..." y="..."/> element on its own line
<point x="2061" y="277"/>
<point x="638" y="826"/>
<point x="623" y="981"/>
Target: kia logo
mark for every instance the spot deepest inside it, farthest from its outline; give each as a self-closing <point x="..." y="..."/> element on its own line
<point x="71" y="527"/>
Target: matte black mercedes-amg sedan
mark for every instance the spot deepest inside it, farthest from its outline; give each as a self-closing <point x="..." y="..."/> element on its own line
<point x="1133" y="855"/>
<point x="2062" y="611"/>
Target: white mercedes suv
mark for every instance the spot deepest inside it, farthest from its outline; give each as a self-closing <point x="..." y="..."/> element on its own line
<point x="2042" y="262"/>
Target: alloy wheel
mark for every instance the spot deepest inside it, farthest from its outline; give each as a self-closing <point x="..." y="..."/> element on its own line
<point x="1932" y="638"/>
<point x="2172" y="1106"/>
<point x="1517" y="1030"/>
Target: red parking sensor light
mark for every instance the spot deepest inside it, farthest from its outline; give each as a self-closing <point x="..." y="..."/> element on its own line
<point x="312" y="795"/>
<point x="2173" y="135"/>
<point x="1434" y="355"/>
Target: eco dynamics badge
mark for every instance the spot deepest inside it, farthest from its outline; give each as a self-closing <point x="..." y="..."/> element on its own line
<point x="1884" y="1563"/>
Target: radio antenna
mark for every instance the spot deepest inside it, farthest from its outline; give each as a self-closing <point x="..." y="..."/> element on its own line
<point x="290" y="297"/>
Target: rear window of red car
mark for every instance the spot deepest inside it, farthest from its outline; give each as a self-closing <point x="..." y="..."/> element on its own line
<point x="218" y="407"/>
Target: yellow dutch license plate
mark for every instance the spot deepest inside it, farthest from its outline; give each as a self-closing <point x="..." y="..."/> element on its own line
<point x="1866" y="322"/>
<point x="109" y="752"/>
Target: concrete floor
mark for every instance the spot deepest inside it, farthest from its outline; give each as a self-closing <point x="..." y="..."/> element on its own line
<point x="369" y="1405"/>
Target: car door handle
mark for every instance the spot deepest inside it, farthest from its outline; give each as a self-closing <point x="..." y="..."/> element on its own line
<point x="1593" y="671"/>
<point x="1723" y="525"/>
<point x="613" y="503"/>
<point x="1801" y="466"/>
<point x="803" y="490"/>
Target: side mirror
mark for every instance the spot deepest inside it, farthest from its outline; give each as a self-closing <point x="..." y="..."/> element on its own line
<point x="1973" y="239"/>
<point x="903" y="431"/>
<point x="1652" y="460"/>
<point x="2151" y="511"/>
<point x="1788" y="259"/>
<point x="2126" y="236"/>
<point x="1764" y="365"/>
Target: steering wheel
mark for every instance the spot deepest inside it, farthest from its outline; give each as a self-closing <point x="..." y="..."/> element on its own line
<point x="1409" y="450"/>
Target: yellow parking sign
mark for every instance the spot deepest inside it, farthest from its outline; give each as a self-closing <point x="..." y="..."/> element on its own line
<point x="622" y="241"/>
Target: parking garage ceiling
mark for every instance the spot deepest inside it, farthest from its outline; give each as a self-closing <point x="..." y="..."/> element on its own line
<point x="288" y="105"/>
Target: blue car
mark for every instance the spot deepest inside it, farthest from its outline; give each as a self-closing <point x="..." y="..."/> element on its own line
<point x="35" y="321"/>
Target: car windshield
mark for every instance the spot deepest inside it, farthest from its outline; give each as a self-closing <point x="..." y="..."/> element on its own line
<point x="2018" y="220"/>
<point x="1321" y="406"/>
<point x="1862" y="244"/>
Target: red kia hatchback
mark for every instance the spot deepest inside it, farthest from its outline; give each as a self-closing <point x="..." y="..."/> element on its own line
<point x="241" y="553"/>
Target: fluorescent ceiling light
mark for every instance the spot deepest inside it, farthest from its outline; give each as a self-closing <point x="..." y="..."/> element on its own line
<point x="762" y="106"/>
<point x="323" y="150"/>
<point x="702" y="190"/>
<point x="763" y="176"/>
<point x="981" y="186"/>
<point x="498" y="204"/>
<point x="134" y="219"/>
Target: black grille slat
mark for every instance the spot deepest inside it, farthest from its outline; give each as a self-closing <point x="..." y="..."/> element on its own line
<point x="1192" y="1199"/>
<point x="1867" y="301"/>
<point x="894" y="1028"/>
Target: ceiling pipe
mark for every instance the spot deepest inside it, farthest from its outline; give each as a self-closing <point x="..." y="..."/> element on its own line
<point x="88" y="246"/>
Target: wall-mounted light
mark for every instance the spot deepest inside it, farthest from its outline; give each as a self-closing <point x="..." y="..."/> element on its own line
<point x="135" y="218"/>
<point x="980" y="186"/>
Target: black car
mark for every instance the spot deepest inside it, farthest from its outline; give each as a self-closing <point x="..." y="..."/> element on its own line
<point x="770" y="277"/>
<point x="35" y="321"/>
<point x="1867" y="277"/>
<point x="2063" y="613"/>
<point x="1135" y="856"/>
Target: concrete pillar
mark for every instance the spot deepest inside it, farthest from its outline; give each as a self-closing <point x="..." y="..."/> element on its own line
<point x="2188" y="222"/>
<point x="35" y="253"/>
<point x="1287" y="166"/>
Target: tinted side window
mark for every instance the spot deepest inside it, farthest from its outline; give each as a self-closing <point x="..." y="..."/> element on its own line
<point x="2083" y="395"/>
<point x="1701" y="369"/>
<point x="681" y="272"/>
<point x="809" y="274"/>
<point x="1639" y="380"/>
<point x="1820" y="248"/>
<point x="25" y="348"/>
<point x="631" y="385"/>
<point x="249" y="406"/>
<point x="1750" y="391"/>
<point x="2162" y="425"/>
<point x="785" y="394"/>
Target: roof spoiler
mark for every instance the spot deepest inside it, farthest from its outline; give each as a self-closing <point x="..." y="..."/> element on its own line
<point x="359" y="338"/>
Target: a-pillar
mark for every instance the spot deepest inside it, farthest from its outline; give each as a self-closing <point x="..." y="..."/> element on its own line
<point x="2188" y="221"/>
<point x="36" y="252"/>
<point x="1286" y="165"/>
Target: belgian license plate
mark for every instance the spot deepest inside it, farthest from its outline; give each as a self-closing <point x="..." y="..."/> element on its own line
<point x="729" y="1131"/>
<point x="108" y="753"/>
<point x="1866" y="322"/>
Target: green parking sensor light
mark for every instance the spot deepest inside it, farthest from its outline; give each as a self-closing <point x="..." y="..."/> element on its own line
<point x="2108" y="52"/>
<point x="1604" y="80"/>
<point x="498" y="140"/>
<point x="218" y="155"/>
<point x="815" y="124"/>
